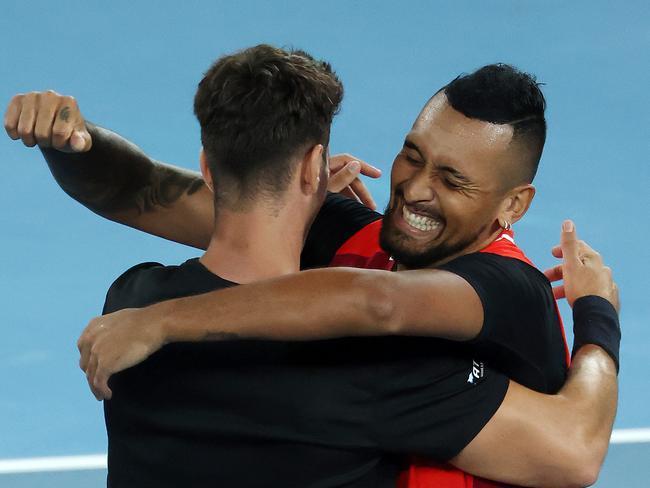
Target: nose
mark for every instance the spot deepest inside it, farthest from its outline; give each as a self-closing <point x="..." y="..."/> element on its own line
<point x="419" y="187"/>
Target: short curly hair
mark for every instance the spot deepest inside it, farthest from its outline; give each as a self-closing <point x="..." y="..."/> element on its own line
<point x="258" y="108"/>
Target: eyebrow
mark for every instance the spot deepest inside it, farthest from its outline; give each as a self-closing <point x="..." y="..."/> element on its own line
<point x="440" y="167"/>
<point x="412" y="145"/>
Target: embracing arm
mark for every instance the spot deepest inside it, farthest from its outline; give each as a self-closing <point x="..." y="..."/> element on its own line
<point x="550" y="440"/>
<point x="328" y="303"/>
<point x="561" y="440"/>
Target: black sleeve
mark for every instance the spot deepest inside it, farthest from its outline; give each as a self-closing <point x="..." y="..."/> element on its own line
<point x="122" y="293"/>
<point x="338" y="219"/>
<point x="513" y="295"/>
<point x="521" y="333"/>
<point x="437" y="415"/>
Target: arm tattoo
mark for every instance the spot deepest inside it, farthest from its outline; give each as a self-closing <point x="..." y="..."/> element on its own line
<point x="116" y="176"/>
<point x="166" y="185"/>
<point x="65" y="114"/>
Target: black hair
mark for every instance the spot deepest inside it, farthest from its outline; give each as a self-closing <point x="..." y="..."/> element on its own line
<point x="502" y="94"/>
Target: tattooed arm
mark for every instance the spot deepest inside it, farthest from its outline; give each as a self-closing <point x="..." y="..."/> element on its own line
<point x="108" y="174"/>
<point x="117" y="180"/>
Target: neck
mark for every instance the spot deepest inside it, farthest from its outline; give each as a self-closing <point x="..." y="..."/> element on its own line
<point x="255" y="245"/>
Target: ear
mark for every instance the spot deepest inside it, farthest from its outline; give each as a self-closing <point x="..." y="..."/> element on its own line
<point x="516" y="204"/>
<point x="311" y="169"/>
<point x="205" y="170"/>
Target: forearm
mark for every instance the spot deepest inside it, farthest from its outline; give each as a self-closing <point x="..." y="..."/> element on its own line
<point x="317" y="304"/>
<point x="327" y="303"/>
<point x="117" y="180"/>
<point x="592" y="392"/>
<point x="555" y="440"/>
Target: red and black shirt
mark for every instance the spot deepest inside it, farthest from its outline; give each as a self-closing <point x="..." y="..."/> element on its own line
<point x="522" y="333"/>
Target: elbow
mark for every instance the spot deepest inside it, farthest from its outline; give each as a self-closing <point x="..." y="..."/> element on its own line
<point x="581" y="465"/>
<point x="587" y="466"/>
<point x="378" y="300"/>
<point x="582" y="475"/>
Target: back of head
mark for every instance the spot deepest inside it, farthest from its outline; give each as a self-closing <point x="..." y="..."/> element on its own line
<point x="501" y="94"/>
<point x="259" y="109"/>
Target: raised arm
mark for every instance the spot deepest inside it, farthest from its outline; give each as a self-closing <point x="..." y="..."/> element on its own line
<point x="117" y="180"/>
<point x="561" y="440"/>
<point x="108" y="174"/>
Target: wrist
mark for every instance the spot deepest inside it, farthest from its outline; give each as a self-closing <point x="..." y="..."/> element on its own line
<point x="160" y="320"/>
<point x="595" y="321"/>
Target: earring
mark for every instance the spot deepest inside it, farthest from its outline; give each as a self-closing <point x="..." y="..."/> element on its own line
<point x="506" y="225"/>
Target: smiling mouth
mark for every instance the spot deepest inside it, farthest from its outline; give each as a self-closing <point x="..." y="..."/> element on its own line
<point x="422" y="223"/>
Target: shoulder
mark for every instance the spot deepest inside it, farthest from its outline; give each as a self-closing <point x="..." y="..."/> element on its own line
<point x="136" y="286"/>
<point x="495" y="270"/>
<point x="338" y="219"/>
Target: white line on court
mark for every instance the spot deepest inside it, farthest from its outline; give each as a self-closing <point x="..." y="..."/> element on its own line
<point x="630" y="436"/>
<point x="54" y="463"/>
<point x="98" y="461"/>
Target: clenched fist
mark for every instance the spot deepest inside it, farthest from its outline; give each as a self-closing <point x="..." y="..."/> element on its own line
<point x="49" y="120"/>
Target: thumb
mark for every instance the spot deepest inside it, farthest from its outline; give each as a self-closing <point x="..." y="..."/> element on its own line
<point x="80" y="141"/>
<point x="569" y="243"/>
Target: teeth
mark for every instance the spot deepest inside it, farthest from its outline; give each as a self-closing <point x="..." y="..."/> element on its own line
<point x="420" y="222"/>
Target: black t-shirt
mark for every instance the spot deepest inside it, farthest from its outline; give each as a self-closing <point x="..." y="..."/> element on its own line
<point x="521" y="334"/>
<point x="255" y="413"/>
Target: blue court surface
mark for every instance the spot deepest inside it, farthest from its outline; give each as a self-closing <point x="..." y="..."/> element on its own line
<point x="134" y="66"/>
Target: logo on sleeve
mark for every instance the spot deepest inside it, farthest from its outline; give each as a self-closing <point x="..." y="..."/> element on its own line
<point x="477" y="372"/>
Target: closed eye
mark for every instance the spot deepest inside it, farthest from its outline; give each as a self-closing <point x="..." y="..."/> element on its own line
<point x="413" y="161"/>
<point x="452" y="184"/>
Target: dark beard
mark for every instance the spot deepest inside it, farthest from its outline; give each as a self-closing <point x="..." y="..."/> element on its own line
<point x="396" y="244"/>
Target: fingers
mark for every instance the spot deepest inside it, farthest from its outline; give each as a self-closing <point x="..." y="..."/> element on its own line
<point x="69" y="128"/>
<point x="363" y="193"/>
<point x="12" y="115"/>
<point x="339" y="160"/>
<point x="554" y="274"/>
<point x="588" y="255"/>
<point x="90" y="376"/>
<point x="557" y="251"/>
<point x="80" y="141"/>
<point x="348" y="192"/>
<point x="615" y="297"/>
<point x="84" y="353"/>
<point x="344" y="177"/>
<point x="45" y="112"/>
<point x="569" y="244"/>
<point x="369" y="170"/>
<point x="86" y="340"/>
<point x="559" y="292"/>
<point x="27" y="119"/>
<point x="97" y="376"/>
<point x="100" y="382"/>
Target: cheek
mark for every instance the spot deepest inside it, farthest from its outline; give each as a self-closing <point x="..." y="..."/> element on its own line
<point x="467" y="215"/>
<point x="399" y="173"/>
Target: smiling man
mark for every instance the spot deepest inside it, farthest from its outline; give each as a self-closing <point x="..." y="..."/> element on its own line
<point x="461" y="180"/>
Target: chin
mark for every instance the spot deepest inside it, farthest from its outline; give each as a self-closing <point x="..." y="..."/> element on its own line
<point x="414" y="255"/>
